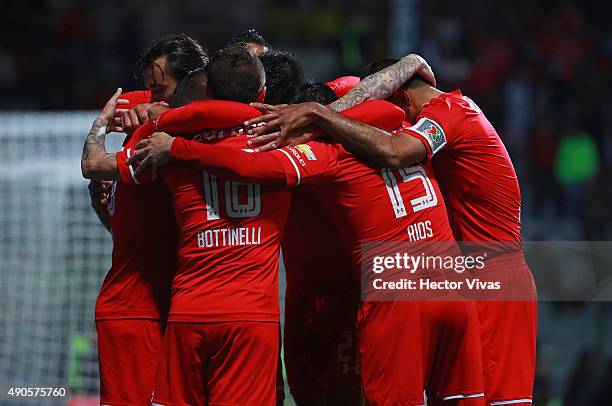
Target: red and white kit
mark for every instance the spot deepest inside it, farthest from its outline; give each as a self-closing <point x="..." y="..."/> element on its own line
<point x="483" y="200"/>
<point x="349" y="191"/>
<point x="225" y="292"/>
<point x="133" y="303"/>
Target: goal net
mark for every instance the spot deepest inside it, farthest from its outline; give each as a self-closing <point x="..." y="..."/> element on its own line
<point x="53" y="255"/>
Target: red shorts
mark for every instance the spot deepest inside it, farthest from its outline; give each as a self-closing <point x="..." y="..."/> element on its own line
<point x="508" y="333"/>
<point x="390" y="352"/>
<point x="227" y="363"/>
<point x="451" y="346"/>
<point x="320" y="341"/>
<point x="410" y="347"/>
<point x="128" y="354"/>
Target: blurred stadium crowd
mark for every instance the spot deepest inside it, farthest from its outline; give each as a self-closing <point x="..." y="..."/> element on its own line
<point x="539" y="69"/>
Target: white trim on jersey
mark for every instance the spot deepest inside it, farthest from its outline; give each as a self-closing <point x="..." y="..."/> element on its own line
<point x="297" y="170"/>
<point x="132" y="169"/>
<point x="453" y="397"/>
<point x="510" y="402"/>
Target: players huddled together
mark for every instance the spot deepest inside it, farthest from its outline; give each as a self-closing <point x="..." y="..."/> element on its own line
<point x="231" y="158"/>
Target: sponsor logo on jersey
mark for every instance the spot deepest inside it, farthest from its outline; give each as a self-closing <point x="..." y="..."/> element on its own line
<point x="297" y="156"/>
<point x="432" y="132"/>
<point x="306" y="150"/>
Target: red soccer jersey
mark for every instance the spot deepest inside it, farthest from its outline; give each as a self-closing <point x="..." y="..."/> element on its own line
<point x="370" y="204"/>
<point x="317" y="260"/>
<point x="229" y="239"/>
<point x="367" y="204"/>
<point x="135" y="98"/>
<point x="325" y="267"/>
<point x="476" y="175"/>
<point x="229" y="232"/>
<point x="144" y="248"/>
<point x="244" y="165"/>
<point x="144" y="254"/>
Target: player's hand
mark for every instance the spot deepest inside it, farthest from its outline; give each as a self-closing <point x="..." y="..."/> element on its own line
<point x="423" y="69"/>
<point x="138" y="115"/>
<point x="157" y="109"/>
<point x="98" y="193"/>
<point x="281" y="125"/>
<point x="153" y="151"/>
<point x="266" y="110"/>
<point x="110" y="111"/>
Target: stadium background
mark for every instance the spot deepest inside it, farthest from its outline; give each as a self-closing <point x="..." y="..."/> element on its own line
<point x="539" y="69"/>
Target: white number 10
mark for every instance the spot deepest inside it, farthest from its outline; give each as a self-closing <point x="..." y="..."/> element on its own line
<point x="407" y="174"/>
<point x="233" y="206"/>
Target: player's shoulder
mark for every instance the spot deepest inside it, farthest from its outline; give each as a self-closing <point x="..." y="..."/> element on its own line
<point x="328" y="146"/>
<point x="453" y="102"/>
<point x="317" y="150"/>
<point x="444" y="101"/>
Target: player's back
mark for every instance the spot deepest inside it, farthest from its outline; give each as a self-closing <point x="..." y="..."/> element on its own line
<point x="371" y="204"/>
<point x="475" y="172"/>
<point x="384" y="212"/>
<point x="229" y="240"/>
<point x="317" y="259"/>
<point x="482" y="193"/>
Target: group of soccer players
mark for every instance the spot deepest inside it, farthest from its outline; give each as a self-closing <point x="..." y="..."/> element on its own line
<point x="229" y="158"/>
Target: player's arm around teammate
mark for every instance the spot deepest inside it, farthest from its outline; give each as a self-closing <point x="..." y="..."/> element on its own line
<point x="96" y="162"/>
<point x="362" y="139"/>
<point x="383" y="84"/>
<point x="160" y="148"/>
<point x="99" y="190"/>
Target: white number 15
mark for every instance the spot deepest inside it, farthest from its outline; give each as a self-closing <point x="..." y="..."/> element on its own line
<point x="415" y="173"/>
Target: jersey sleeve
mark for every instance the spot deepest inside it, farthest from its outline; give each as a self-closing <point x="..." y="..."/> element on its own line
<point x="291" y="166"/>
<point x="436" y="126"/>
<point x="378" y="113"/>
<point x="209" y="114"/>
<point x="343" y="84"/>
<point x="134" y="98"/>
<point x="127" y="171"/>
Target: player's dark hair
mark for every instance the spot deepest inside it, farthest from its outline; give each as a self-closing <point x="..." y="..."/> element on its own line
<point x="249" y="35"/>
<point x="284" y="74"/>
<point x="235" y="73"/>
<point x="380" y="64"/>
<point x="183" y="53"/>
<point x="191" y="88"/>
<point x="311" y="91"/>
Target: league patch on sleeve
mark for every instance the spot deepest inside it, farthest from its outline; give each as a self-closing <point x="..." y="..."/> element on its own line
<point x="432" y="132"/>
<point x="306" y="150"/>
